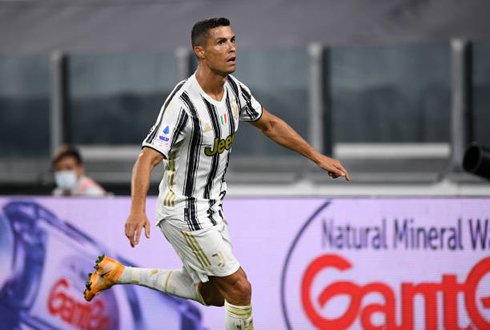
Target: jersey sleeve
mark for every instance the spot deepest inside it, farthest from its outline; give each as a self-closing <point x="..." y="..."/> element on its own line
<point x="168" y="129"/>
<point x="251" y="109"/>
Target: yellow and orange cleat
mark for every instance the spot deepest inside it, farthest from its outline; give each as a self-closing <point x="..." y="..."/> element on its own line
<point x="107" y="272"/>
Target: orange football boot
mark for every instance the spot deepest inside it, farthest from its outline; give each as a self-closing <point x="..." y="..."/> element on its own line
<point x="107" y="272"/>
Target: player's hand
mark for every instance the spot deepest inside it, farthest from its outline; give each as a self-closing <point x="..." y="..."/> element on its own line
<point x="333" y="167"/>
<point x="133" y="227"/>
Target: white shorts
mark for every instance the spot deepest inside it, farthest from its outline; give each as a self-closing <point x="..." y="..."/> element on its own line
<point x="205" y="252"/>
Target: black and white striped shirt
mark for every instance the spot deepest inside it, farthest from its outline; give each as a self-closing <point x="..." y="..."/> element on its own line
<point x="195" y="133"/>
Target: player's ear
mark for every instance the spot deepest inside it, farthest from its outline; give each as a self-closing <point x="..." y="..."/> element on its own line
<point x="199" y="51"/>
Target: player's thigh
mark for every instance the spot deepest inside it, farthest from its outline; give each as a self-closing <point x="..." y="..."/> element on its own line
<point x="204" y="253"/>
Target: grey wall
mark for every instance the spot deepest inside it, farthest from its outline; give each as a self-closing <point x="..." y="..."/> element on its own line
<point x="90" y="26"/>
<point x="388" y="76"/>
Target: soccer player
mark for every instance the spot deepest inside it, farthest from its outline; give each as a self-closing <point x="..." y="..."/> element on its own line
<point x="193" y="134"/>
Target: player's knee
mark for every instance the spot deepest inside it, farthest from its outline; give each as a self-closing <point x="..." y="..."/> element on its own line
<point x="247" y="288"/>
<point x="243" y="290"/>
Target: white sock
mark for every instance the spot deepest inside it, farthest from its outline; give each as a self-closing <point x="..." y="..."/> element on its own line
<point x="238" y="317"/>
<point x="172" y="281"/>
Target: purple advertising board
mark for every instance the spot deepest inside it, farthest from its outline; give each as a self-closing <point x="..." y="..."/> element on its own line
<point x="343" y="263"/>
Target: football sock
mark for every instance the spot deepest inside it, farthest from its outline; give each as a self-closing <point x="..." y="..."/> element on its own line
<point x="238" y="317"/>
<point x="172" y="281"/>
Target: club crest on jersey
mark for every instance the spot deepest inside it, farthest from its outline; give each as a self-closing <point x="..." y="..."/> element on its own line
<point x="220" y="145"/>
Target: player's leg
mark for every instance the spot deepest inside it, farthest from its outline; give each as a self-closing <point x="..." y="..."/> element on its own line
<point x="237" y="291"/>
<point x="235" y="288"/>
<point x="186" y="283"/>
<point x="208" y="257"/>
<point x="109" y="272"/>
<point x="210" y="294"/>
<point x="176" y="282"/>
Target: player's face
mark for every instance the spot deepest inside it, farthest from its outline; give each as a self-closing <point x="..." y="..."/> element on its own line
<point x="220" y="50"/>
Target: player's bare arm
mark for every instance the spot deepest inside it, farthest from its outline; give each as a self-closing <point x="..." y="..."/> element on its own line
<point x="140" y="182"/>
<point x="280" y="132"/>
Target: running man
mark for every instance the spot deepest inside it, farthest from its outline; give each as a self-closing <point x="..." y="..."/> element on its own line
<point x="193" y="134"/>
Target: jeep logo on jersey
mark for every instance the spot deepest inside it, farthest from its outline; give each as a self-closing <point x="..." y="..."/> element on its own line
<point x="220" y="145"/>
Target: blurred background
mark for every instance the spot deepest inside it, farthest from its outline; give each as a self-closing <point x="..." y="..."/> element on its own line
<point x="396" y="90"/>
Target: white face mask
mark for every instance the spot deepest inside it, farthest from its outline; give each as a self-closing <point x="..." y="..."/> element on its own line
<point x="66" y="179"/>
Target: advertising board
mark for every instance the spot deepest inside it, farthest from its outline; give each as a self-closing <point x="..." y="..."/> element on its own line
<point x="343" y="263"/>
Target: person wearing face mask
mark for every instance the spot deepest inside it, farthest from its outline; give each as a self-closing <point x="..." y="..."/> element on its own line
<point x="69" y="175"/>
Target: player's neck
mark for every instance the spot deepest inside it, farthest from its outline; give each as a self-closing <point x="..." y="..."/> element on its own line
<point x="211" y="82"/>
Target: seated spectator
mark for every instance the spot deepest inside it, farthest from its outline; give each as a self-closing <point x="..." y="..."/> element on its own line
<point x="69" y="175"/>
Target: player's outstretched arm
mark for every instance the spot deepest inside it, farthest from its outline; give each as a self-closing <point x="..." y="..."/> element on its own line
<point x="280" y="132"/>
<point x="140" y="182"/>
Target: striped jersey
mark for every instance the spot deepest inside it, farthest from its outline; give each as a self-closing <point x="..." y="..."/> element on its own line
<point x="195" y="134"/>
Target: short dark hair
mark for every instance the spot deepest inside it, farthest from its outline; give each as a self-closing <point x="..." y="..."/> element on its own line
<point x="200" y="31"/>
<point x="67" y="151"/>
